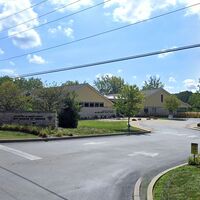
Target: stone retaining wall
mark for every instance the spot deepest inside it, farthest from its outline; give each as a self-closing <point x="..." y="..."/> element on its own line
<point x="29" y="118"/>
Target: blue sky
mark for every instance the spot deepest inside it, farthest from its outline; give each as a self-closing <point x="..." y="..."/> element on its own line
<point x="179" y="71"/>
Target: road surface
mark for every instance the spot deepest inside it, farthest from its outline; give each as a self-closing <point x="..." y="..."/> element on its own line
<point x="103" y="168"/>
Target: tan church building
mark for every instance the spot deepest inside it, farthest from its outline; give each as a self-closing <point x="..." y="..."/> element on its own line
<point x="154" y="103"/>
<point x="92" y="103"/>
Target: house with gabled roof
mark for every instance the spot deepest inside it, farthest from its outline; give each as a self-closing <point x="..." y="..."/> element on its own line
<point x="154" y="102"/>
<point x="92" y="103"/>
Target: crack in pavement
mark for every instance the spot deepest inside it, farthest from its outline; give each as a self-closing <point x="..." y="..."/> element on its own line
<point x="34" y="183"/>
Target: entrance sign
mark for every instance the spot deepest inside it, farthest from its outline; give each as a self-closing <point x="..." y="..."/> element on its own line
<point x="194" y="148"/>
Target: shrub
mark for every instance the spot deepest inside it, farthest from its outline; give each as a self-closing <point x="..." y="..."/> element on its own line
<point x="191" y="160"/>
<point x="68" y="118"/>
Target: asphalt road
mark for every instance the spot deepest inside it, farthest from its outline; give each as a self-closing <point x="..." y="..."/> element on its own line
<point x="94" y="168"/>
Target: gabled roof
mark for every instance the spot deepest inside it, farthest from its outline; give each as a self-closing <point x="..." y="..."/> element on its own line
<point x="74" y="88"/>
<point x="150" y="92"/>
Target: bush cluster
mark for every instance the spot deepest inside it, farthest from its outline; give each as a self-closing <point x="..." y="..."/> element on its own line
<point x="189" y="114"/>
<point x="196" y="161"/>
<point x="35" y="130"/>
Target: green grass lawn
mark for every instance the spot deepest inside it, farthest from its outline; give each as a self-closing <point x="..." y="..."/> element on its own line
<point x="15" y="135"/>
<point x="179" y="184"/>
<point x="85" y="127"/>
<point x="97" y="127"/>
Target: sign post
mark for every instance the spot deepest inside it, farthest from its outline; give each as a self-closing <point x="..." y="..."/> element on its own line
<point x="194" y="150"/>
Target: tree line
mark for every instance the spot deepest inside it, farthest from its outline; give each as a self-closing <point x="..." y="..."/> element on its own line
<point x="32" y="94"/>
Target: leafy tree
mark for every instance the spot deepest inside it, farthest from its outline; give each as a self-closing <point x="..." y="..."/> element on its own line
<point x="68" y="115"/>
<point x="129" y="102"/>
<point x="49" y="99"/>
<point x="184" y="96"/>
<point x="29" y="85"/>
<point x="195" y="101"/>
<point x="4" y="79"/>
<point x="109" y="84"/>
<point x="12" y="98"/>
<point x="71" y="83"/>
<point x="152" y="83"/>
<point x="171" y="103"/>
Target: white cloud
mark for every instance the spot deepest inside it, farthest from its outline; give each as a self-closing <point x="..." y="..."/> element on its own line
<point x="36" y="59"/>
<point x="172" y="79"/>
<point x="169" y="88"/>
<point x="119" y="71"/>
<point x="190" y="84"/>
<point x="7" y="72"/>
<point x="24" y="40"/>
<point x="73" y="7"/>
<point x="134" y="77"/>
<point x="68" y="31"/>
<point x="130" y="11"/>
<point x="106" y="74"/>
<point x="163" y="55"/>
<point x="1" y="52"/>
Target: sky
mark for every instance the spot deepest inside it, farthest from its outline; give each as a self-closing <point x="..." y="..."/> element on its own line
<point x="179" y="71"/>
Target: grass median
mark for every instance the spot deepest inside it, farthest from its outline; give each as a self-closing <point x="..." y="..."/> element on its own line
<point x="15" y="135"/>
<point x="85" y="127"/>
<point x="98" y="127"/>
<point x="179" y="184"/>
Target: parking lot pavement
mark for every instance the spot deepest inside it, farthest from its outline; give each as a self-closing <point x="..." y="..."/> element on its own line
<point x="92" y="168"/>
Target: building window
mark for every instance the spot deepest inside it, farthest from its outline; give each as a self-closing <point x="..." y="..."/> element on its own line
<point x="101" y="104"/>
<point x="91" y="104"/>
<point x="96" y="104"/>
<point x="86" y="104"/>
<point x="161" y="98"/>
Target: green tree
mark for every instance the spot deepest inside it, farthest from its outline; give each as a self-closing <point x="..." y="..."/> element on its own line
<point x="152" y="83"/>
<point x="129" y="102"/>
<point x="70" y="83"/>
<point x="29" y="85"/>
<point x="109" y="84"/>
<point x="184" y="96"/>
<point x="12" y="98"/>
<point x="69" y="113"/>
<point x="4" y="79"/>
<point x="171" y="103"/>
<point x="49" y="99"/>
<point x="194" y="101"/>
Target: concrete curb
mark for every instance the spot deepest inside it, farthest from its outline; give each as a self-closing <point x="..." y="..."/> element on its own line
<point x="136" y="194"/>
<point x="193" y="127"/>
<point x="69" y="137"/>
<point x="156" y="178"/>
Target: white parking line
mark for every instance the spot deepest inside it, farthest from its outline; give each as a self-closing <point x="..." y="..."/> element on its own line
<point x="19" y="153"/>
<point x="193" y="136"/>
<point x="94" y="143"/>
<point x="143" y="153"/>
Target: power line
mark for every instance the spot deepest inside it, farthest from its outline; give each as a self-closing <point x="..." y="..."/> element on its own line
<point x="40" y="16"/>
<point x="97" y="34"/>
<point x="112" y="60"/>
<point x="55" y="20"/>
<point x="37" y="4"/>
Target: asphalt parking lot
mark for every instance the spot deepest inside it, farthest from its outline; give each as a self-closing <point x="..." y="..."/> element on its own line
<point x="103" y="168"/>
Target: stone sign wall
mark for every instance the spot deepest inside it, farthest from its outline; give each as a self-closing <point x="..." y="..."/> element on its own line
<point x="29" y="118"/>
